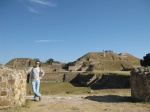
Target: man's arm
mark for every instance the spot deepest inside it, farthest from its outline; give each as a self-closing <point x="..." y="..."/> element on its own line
<point x="29" y="70"/>
<point x="43" y="73"/>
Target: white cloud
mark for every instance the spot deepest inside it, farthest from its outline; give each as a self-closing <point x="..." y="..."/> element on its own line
<point x="43" y="2"/>
<point x="32" y="10"/>
<point x="35" y="6"/>
<point x="41" y="41"/>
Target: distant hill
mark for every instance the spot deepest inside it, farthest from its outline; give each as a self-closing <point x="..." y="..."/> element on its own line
<point x="24" y="63"/>
<point x="20" y="63"/>
<point x="106" y="61"/>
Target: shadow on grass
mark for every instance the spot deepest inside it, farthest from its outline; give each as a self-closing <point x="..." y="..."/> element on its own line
<point x="112" y="99"/>
<point x="75" y="84"/>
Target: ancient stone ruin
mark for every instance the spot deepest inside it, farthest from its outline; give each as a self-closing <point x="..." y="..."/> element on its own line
<point x="12" y="87"/>
<point x="140" y="84"/>
<point x="92" y="61"/>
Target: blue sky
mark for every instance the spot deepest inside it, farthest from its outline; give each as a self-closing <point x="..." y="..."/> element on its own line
<point x="65" y="30"/>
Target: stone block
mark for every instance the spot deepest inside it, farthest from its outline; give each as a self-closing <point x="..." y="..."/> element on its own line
<point x="3" y="93"/>
<point x="20" y="87"/>
<point x="1" y="98"/>
<point x="3" y="84"/>
<point x="10" y="92"/>
<point x="140" y="89"/>
<point x="5" y="103"/>
<point x="11" y="81"/>
<point x="8" y="86"/>
<point x="16" y="97"/>
<point x="15" y="91"/>
<point x="21" y="82"/>
<point x="0" y="78"/>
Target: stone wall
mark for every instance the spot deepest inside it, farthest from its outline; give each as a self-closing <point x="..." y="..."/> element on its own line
<point x="140" y="84"/>
<point x="72" y="68"/>
<point x="60" y="77"/>
<point x="86" y="80"/>
<point x="110" y="81"/>
<point x="12" y="87"/>
<point x="51" y="68"/>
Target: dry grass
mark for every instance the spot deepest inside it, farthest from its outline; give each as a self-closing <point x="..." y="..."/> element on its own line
<point x="65" y="97"/>
<point x="111" y="72"/>
<point x="53" y="88"/>
<point x="106" y="100"/>
<point x="49" y="88"/>
<point x="27" y="105"/>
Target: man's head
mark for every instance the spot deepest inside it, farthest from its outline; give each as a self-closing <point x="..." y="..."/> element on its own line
<point x="37" y="63"/>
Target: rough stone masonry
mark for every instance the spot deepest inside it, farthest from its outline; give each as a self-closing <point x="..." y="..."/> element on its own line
<point x="12" y="87"/>
<point x="140" y="84"/>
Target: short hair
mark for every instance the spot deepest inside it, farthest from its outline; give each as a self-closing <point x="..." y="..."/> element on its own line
<point x="38" y="63"/>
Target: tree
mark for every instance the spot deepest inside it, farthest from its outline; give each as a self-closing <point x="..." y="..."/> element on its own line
<point x="146" y="60"/>
<point x="37" y="59"/>
<point x="49" y="61"/>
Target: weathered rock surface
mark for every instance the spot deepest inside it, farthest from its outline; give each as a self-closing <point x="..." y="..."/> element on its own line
<point x="12" y="87"/>
<point x="140" y="84"/>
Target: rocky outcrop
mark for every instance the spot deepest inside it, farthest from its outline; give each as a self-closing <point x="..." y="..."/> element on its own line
<point x="12" y="87"/>
<point x="140" y="84"/>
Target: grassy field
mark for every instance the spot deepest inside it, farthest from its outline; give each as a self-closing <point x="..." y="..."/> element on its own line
<point x="49" y="88"/>
<point x="56" y="88"/>
<point x="113" y="72"/>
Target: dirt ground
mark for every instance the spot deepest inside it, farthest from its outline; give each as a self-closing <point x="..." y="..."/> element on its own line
<point x="101" y="102"/>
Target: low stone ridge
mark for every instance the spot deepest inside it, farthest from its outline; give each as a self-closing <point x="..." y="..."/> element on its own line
<point x="140" y="83"/>
<point x="12" y="87"/>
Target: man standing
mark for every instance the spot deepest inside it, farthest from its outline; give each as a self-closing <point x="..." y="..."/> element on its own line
<point x="36" y="75"/>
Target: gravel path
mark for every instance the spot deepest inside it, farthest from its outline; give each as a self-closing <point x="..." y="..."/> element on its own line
<point x="88" y="103"/>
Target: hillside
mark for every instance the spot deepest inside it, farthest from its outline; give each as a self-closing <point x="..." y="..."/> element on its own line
<point x="24" y="63"/>
<point x="20" y="63"/>
<point x="106" y="61"/>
